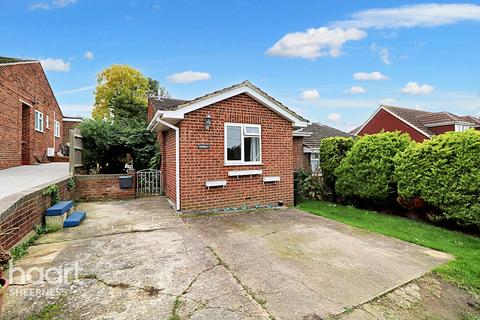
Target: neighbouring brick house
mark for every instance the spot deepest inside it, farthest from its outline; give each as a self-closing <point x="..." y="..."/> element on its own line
<point x="232" y="148"/>
<point x="420" y="125"/>
<point x="69" y="123"/>
<point x="30" y="118"/>
<point x="307" y="144"/>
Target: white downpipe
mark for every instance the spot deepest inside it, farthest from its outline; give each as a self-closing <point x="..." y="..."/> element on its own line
<point x="177" y="159"/>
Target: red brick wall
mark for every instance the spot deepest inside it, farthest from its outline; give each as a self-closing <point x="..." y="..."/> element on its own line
<point x="385" y="121"/>
<point x="150" y="112"/>
<point x="101" y="187"/>
<point x="298" y="156"/>
<point x="18" y="220"/>
<point x="67" y="126"/>
<point x="167" y="145"/>
<point x="201" y="165"/>
<point x="27" y="82"/>
<point x="443" y="129"/>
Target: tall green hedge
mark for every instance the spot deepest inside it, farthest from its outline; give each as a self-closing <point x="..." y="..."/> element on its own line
<point x="445" y="173"/>
<point x="106" y="145"/>
<point x="367" y="170"/>
<point x="332" y="151"/>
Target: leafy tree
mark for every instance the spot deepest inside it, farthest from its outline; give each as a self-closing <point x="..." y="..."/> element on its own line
<point x="332" y="151"/>
<point x="121" y="93"/>
<point x="367" y="170"/>
<point x="445" y="173"/>
<point x="155" y="89"/>
<point x="106" y="145"/>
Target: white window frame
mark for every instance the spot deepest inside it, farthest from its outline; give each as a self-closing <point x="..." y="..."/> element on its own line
<point x="459" y="127"/>
<point x="57" y="129"/>
<point x="242" y="161"/>
<point x="40" y="126"/>
<point x="314" y="158"/>
<point x="47" y="121"/>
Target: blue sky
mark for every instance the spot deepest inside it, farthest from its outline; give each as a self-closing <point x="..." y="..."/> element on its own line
<point x="331" y="61"/>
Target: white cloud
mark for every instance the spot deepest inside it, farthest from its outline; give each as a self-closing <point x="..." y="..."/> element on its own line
<point x="310" y="95"/>
<point x="366" y="76"/>
<point x="417" y="15"/>
<point x="315" y="43"/>
<point x="50" y="5"/>
<point x="188" y="77"/>
<point x="334" y="117"/>
<point x="357" y="90"/>
<point x="77" y="90"/>
<point x="38" y="6"/>
<point x="382" y="52"/>
<point x="416" y="89"/>
<point x="89" y="55"/>
<point x="51" y="64"/>
<point x="387" y="101"/>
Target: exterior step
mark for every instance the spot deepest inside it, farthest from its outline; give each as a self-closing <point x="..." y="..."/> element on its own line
<point x="59" y="209"/>
<point x="74" y="219"/>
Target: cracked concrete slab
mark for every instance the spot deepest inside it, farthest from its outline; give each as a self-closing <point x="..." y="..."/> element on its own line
<point x="139" y="259"/>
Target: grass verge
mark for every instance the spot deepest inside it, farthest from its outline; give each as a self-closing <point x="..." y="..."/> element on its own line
<point x="464" y="270"/>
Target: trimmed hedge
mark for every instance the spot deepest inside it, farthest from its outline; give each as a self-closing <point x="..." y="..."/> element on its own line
<point x="445" y="173"/>
<point x="332" y="151"/>
<point x="367" y="170"/>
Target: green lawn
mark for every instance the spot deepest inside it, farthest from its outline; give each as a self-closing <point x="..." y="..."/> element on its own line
<point x="464" y="270"/>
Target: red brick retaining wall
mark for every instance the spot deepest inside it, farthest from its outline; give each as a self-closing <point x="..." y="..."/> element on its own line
<point x="18" y="220"/>
<point x="101" y="187"/>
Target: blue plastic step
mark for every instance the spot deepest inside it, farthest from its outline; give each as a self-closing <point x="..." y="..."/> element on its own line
<point x="59" y="209"/>
<point x="74" y="219"/>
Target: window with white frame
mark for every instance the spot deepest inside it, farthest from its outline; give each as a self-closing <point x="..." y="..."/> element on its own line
<point x="38" y="121"/>
<point x="461" y="127"/>
<point x="314" y="161"/>
<point x="242" y="143"/>
<point x="57" y="129"/>
<point x="47" y="121"/>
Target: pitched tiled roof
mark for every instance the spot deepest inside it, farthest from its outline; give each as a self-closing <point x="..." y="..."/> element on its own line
<point x="424" y="120"/>
<point x="176" y="104"/>
<point x="166" y="103"/>
<point x="320" y="131"/>
<point x="411" y="116"/>
<point x="4" y="60"/>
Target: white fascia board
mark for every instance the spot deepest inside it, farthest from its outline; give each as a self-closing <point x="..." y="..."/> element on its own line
<point x="72" y="120"/>
<point x="180" y="113"/>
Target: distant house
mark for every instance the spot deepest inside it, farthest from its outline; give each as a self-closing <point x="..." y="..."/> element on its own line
<point x="420" y="125"/>
<point x="232" y="148"/>
<point x="307" y="144"/>
<point x="68" y="124"/>
<point x="30" y="118"/>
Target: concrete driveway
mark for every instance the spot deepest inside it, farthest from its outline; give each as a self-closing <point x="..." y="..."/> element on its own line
<point x="139" y="260"/>
<point x="18" y="181"/>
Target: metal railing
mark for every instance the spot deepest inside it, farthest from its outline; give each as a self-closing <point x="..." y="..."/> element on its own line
<point x="149" y="182"/>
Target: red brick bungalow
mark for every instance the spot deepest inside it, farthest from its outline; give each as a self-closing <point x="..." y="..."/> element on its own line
<point x="30" y="118"/>
<point x="232" y="148"/>
<point x="420" y="125"/>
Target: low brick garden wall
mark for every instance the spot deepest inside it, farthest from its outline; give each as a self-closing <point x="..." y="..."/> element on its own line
<point x="19" y="219"/>
<point x="101" y="187"/>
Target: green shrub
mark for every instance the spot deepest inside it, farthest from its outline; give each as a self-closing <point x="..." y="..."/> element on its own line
<point x="445" y="173"/>
<point x="332" y="151"/>
<point x="367" y="170"/>
<point x="309" y="185"/>
<point x="106" y="145"/>
<point x="54" y="193"/>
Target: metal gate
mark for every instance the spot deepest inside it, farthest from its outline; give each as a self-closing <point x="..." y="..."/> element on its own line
<point x="149" y="182"/>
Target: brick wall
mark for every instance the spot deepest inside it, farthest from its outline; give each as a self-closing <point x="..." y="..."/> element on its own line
<point x="200" y="165"/>
<point x="18" y="220"/>
<point x="29" y="83"/>
<point x="67" y="126"/>
<point x="101" y="187"/>
<point x="167" y="150"/>
<point x="298" y="156"/>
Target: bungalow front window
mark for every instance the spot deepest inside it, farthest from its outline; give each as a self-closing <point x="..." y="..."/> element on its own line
<point x="314" y="161"/>
<point x="242" y="143"/>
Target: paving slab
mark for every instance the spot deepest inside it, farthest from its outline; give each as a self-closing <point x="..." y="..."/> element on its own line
<point x="139" y="259"/>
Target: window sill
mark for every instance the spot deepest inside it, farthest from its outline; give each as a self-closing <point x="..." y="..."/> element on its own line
<point x="243" y="164"/>
<point x="39" y="131"/>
